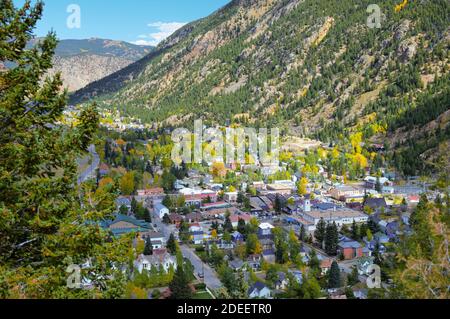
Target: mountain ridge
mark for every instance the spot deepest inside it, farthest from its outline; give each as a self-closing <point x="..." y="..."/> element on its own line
<point x="312" y="67"/>
<point x="82" y="61"/>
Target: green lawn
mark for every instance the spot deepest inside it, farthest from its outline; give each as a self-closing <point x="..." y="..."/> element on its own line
<point x="202" y="295"/>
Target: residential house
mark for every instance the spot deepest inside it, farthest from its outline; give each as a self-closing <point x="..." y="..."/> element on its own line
<point x="381" y="238"/>
<point x="237" y="237"/>
<point x="156" y="238"/>
<point x="269" y="256"/>
<point x="325" y="265"/>
<point x="413" y="199"/>
<point x="282" y="281"/>
<point x="265" y="229"/>
<point x="230" y="197"/>
<point x="123" y="201"/>
<point x="197" y="237"/>
<point x="259" y="290"/>
<point x="297" y="274"/>
<point x="236" y="217"/>
<point x="376" y="203"/>
<point x="236" y="264"/>
<point x="195" y="227"/>
<point x="350" y="249"/>
<point x="160" y="210"/>
<point x="176" y="219"/>
<point x="254" y="262"/>
<point x="291" y="209"/>
<point x="371" y="182"/>
<point x="158" y="259"/>
<point x="222" y="244"/>
<point x="267" y="244"/>
<point x="193" y="217"/>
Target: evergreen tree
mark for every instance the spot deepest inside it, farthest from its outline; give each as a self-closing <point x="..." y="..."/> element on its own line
<point x="166" y="219"/>
<point x="378" y="186"/>
<point x="242" y="287"/>
<point x="355" y="231"/>
<point x="353" y="277"/>
<point x="171" y="244"/>
<point x="334" y="276"/>
<point x="314" y="263"/>
<point x="148" y="249"/>
<point x="310" y="288"/>
<point x="179" y="286"/>
<point x="241" y="226"/>
<point x="167" y="201"/>
<point x="303" y="233"/>
<point x="134" y="205"/>
<point x="320" y="232"/>
<point x="227" y="226"/>
<point x="44" y="228"/>
<point x="278" y="205"/>
<point x="331" y="239"/>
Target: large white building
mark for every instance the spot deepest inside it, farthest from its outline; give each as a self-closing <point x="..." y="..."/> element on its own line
<point x="341" y="216"/>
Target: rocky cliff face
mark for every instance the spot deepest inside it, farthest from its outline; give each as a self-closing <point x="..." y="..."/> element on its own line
<point x="82" y="62"/>
<point x="79" y="71"/>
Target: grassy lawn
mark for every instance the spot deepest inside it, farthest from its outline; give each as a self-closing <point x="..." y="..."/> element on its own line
<point x="202" y="295"/>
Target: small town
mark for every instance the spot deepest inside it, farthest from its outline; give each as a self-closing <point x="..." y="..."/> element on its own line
<point x="253" y="231"/>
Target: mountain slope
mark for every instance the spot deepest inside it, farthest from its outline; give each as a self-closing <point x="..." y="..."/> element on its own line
<point x="84" y="61"/>
<point x="312" y="67"/>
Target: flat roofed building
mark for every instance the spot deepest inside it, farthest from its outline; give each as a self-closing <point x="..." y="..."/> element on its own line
<point x="341" y="216"/>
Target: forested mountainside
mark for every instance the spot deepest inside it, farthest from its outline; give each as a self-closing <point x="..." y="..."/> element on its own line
<point x="313" y="67"/>
<point x="84" y="61"/>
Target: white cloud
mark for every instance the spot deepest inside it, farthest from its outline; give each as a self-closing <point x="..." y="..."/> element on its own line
<point x="162" y="31"/>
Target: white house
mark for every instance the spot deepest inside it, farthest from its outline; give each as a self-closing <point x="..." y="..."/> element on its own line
<point x="157" y="260"/>
<point x="265" y="229"/>
<point x="259" y="290"/>
<point x="157" y="239"/>
<point x="160" y="210"/>
<point x="230" y="197"/>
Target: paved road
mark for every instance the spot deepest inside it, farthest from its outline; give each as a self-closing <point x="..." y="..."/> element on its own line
<point x="210" y="277"/>
<point x="90" y="171"/>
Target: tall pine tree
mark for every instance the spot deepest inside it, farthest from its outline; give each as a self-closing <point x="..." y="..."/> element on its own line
<point x="44" y="228"/>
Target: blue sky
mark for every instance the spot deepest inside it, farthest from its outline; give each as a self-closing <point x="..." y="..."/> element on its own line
<point x="136" y="21"/>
